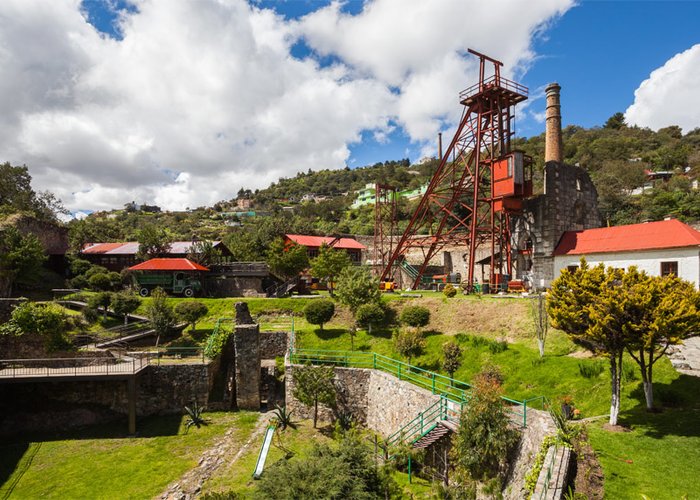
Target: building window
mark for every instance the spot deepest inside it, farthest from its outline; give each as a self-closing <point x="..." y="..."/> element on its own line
<point x="572" y="269"/>
<point x="669" y="268"/>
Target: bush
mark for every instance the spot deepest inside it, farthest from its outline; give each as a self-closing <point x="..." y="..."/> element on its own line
<point x="368" y="315"/>
<point x="590" y="370"/>
<point x="409" y="343"/>
<point x="191" y="311"/>
<point x="497" y="346"/>
<point x="449" y="291"/>
<point x="416" y="316"/>
<point x="100" y="281"/>
<point x="318" y="312"/>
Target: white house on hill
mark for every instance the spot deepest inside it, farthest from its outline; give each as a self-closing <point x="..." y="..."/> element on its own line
<point x="659" y="248"/>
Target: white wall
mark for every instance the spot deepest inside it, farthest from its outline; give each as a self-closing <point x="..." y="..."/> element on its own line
<point x="688" y="259"/>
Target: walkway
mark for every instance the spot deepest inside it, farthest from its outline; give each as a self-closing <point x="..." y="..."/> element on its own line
<point x="57" y="369"/>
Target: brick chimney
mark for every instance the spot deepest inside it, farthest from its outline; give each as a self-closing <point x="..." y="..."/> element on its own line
<point x="553" y="146"/>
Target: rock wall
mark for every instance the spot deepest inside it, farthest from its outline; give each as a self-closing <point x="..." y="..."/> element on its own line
<point x="375" y="399"/>
<point x="160" y="390"/>
<point x="234" y="286"/>
<point x="273" y="344"/>
<point x="246" y="340"/>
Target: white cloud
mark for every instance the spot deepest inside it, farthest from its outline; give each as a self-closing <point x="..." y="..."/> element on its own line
<point x="202" y="98"/>
<point x="670" y="96"/>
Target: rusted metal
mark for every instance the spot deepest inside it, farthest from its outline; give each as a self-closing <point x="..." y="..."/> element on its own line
<point x="460" y="206"/>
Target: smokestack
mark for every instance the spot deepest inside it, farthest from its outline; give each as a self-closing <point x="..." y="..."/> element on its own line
<point x="440" y="146"/>
<point x="552" y="146"/>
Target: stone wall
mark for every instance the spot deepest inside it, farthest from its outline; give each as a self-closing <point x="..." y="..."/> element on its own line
<point x="234" y="286"/>
<point x="160" y="390"/>
<point x="375" y="399"/>
<point x="569" y="203"/>
<point x="273" y="344"/>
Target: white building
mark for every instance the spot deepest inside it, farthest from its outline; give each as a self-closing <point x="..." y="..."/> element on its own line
<point x="658" y="248"/>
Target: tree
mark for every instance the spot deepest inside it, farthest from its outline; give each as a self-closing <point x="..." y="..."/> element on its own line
<point x="100" y="299"/>
<point x="100" y="281"/>
<point x="21" y="257"/>
<point x="17" y="195"/>
<point x="153" y="242"/>
<point x="409" y="343"/>
<point x="191" y="311"/>
<point x="46" y="320"/>
<point x="318" y="312"/>
<point x="368" y="315"/>
<point x="616" y="121"/>
<point x="348" y="471"/>
<point x="125" y="304"/>
<point x="329" y="263"/>
<point x="160" y="313"/>
<point x="204" y="253"/>
<point x="451" y="358"/>
<point x="415" y="316"/>
<point x="659" y="312"/>
<point x="357" y="287"/>
<point x="541" y="320"/>
<point x="314" y="385"/>
<point x="286" y="261"/>
<point x="588" y="306"/>
<point x="485" y="437"/>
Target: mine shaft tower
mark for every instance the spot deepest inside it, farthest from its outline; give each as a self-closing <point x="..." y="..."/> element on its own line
<point x="478" y="186"/>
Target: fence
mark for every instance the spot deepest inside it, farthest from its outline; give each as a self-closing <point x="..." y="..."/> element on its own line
<point x="61" y="367"/>
<point x="453" y="390"/>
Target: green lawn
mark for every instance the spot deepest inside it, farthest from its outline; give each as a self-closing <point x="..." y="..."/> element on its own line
<point x="294" y="443"/>
<point x="101" y="462"/>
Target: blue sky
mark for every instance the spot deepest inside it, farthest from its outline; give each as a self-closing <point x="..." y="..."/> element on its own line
<point x="183" y="102"/>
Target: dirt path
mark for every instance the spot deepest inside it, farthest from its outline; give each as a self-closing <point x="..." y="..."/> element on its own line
<point x="190" y="484"/>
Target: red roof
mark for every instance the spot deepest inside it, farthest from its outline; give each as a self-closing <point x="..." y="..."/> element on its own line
<point x="317" y="241"/>
<point x="647" y="236"/>
<point x="132" y="247"/>
<point x="168" y="265"/>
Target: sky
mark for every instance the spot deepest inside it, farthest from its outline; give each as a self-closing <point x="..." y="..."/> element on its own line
<point x="181" y="103"/>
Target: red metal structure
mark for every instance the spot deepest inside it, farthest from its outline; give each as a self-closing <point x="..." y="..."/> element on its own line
<point x="479" y="184"/>
<point x="384" y="225"/>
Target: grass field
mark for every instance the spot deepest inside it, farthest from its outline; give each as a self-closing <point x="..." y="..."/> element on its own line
<point x="101" y="462"/>
<point x="658" y="457"/>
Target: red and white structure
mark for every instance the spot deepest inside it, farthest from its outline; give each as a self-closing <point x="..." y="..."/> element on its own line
<point x="658" y="248"/>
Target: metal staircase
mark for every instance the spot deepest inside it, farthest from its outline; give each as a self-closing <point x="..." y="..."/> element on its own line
<point x="439" y="419"/>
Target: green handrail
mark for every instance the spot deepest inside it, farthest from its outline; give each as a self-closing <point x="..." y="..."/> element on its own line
<point x="454" y="390"/>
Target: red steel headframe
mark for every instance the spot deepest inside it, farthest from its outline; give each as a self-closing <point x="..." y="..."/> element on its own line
<point x="458" y="206"/>
<point x="384" y="225"/>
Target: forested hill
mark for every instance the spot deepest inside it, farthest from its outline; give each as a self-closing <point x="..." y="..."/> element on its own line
<point x="619" y="159"/>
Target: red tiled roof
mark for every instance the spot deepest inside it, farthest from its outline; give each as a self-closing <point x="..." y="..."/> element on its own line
<point x="168" y="265"/>
<point x="647" y="236"/>
<point x="317" y="241"/>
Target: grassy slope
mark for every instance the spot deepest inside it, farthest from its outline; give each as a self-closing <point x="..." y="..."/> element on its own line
<point x="100" y="462"/>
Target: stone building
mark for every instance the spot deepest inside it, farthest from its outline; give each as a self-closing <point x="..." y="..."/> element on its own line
<point x="569" y="203"/>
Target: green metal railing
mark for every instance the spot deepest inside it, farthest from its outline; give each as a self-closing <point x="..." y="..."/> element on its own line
<point x="453" y="390"/>
<point x="426" y="421"/>
<point x="548" y="475"/>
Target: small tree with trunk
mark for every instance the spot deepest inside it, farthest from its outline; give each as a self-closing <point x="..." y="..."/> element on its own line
<point x="659" y="312"/>
<point x="368" y="315"/>
<point x="329" y="263"/>
<point x="409" y="343"/>
<point x="451" y="358"/>
<point x="314" y="385"/>
<point x="588" y="305"/>
<point x="100" y="299"/>
<point x="541" y="320"/>
<point x="191" y="311"/>
<point x="318" y="312"/>
<point x="125" y="304"/>
<point x="286" y="260"/>
<point x="356" y="286"/>
<point x="160" y="313"/>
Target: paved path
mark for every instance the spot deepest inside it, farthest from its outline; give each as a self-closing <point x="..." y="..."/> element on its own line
<point x="686" y="358"/>
<point x="38" y="369"/>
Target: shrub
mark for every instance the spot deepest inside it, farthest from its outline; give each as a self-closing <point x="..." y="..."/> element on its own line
<point x="191" y="311"/>
<point x="497" y="346"/>
<point x="100" y="281"/>
<point x="318" y="312"/>
<point x="368" y="315"/>
<point x="216" y="341"/>
<point x="416" y="316"/>
<point x="591" y="370"/>
<point x="409" y="343"/>
<point x="449" y="291"/>
<point x="101" y="299"/>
